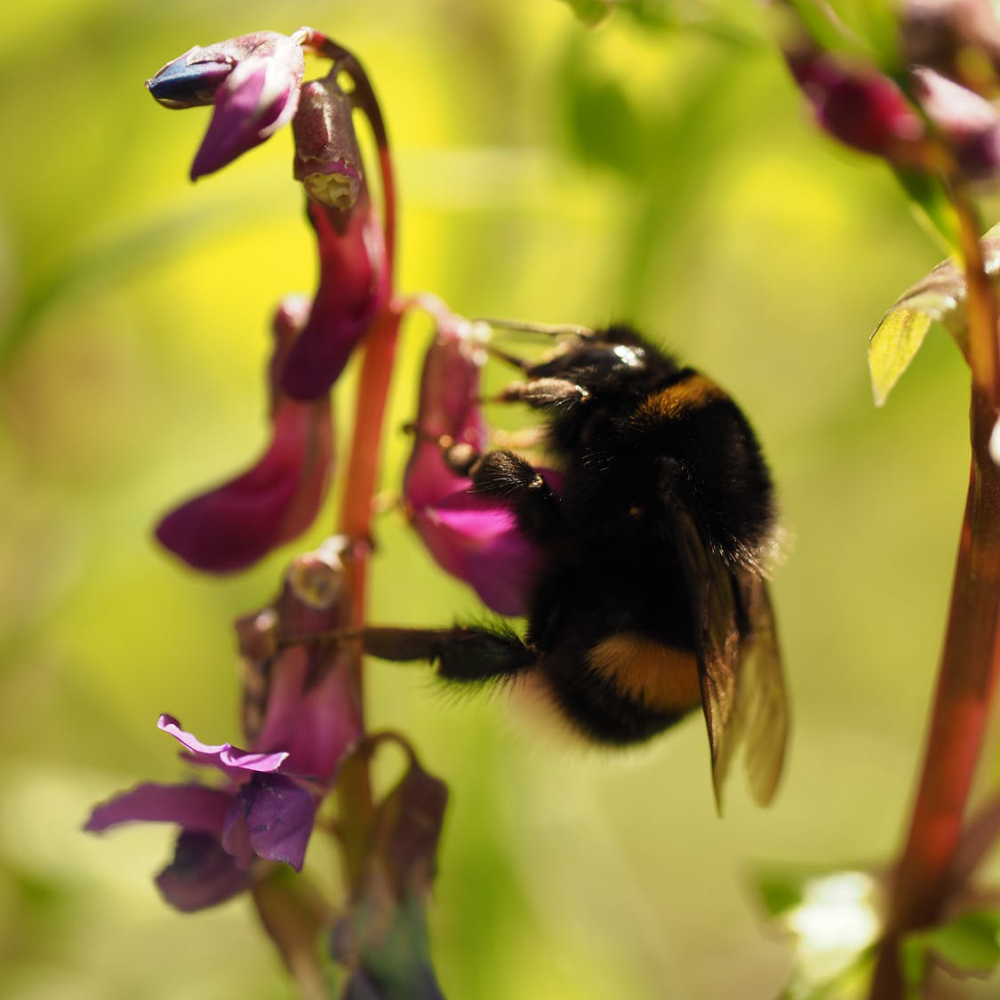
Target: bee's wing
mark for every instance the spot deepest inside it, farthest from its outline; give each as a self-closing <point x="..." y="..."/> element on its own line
<point x="742" y="689"/>
<point x="762" y="708"/>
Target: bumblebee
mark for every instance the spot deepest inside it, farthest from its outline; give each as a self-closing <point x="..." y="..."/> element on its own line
<point x="652" y="599"/>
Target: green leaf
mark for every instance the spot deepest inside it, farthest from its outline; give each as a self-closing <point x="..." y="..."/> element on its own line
<point x="939" y="296"/>
<point x="968" y="945"/>
<point x="592" y="12"/>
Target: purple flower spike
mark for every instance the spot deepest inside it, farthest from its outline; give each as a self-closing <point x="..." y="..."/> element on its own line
<point x="474" y="538"/>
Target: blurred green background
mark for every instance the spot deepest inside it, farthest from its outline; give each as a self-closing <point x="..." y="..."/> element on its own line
<point x="546" y="172"/>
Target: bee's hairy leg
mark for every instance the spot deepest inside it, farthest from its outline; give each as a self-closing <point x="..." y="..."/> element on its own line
<point x="507" y="476"/>
<point x="463" y="653"/>
<point x="544" y="393"/>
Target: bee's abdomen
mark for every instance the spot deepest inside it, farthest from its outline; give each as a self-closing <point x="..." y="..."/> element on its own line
<point x="626" y="689"/>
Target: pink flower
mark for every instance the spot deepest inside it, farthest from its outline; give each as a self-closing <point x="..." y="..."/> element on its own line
<point x="266" y="805"/>
<point x="235" y="524"/>
<point x="473" y="537"/>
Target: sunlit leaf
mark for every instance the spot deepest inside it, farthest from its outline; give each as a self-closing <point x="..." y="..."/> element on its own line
<point x="940" y="296"/>
<point x="968" y="945"/>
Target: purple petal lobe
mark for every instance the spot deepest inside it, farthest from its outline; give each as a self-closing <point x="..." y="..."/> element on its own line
<point x="278" y="815"/>
<point x="223" y="755"/>
<point x="477" y="539"/>
<point x="202" y="874"/>
<point x="193" y="807"/>
<point x="236" y="524"/>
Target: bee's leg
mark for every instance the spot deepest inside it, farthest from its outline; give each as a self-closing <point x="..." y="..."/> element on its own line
<point x="507" y="476"/>
<point x="544" y="393"/>
<point x="461" y="653"/>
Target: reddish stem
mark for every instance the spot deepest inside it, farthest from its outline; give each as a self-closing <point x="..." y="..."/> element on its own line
<point x="969" y="664"/>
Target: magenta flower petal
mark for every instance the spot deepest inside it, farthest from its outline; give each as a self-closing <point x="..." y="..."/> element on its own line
<point x="272" y="815"/>
<point x="236" y="524"/>
<point x="235" y="762"/>
<point x="202" y="874"/>
<point x="193" y="807"/>
<point x="477" y="540"/>
<point x="353" y="285"/>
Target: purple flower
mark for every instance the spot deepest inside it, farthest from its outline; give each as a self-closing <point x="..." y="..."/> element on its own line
<point x="474" y="538"/>
<point x="353" y="266"/>
<point x="260" y="813"/>
<point x="253" y="80"/>
<point x="235" y="524"/>
<point x="265" y="807"/>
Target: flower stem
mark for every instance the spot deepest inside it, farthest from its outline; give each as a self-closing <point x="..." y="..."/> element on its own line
<point x="969" y="663"/>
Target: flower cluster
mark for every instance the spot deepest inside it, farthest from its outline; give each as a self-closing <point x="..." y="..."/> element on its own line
<point x="255" y="84"/>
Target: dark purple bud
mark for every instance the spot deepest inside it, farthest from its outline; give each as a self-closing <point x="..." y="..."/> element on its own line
<point x="271" y="817"/>
<point x="202" y="874"/>
<point x="860" y="107"/>
<point x="327" y="158"/>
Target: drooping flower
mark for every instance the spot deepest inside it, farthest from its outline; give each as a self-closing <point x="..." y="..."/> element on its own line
<point x="235" y="524"/>
<point x="473" y="537"/>
<point x="253" y="80"/>
<point x="266" y="805"/>
<point x="353" y="266"/>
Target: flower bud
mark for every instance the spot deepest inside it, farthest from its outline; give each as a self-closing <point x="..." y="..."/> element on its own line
<point x="861" y="107"/>
<point x="327" y="158"/>
<point x="253" y="80"/>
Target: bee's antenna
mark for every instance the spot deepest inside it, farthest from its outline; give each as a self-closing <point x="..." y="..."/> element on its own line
<point x="546" y="329"/>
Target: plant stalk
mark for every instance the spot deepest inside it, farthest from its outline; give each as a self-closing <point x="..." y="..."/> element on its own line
<point x="969" y="663"/>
